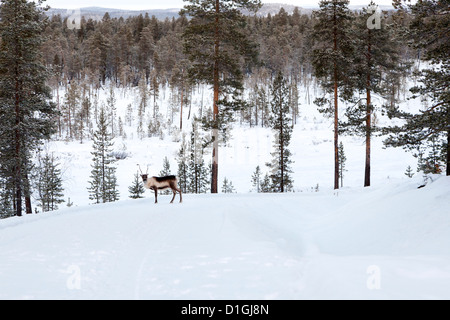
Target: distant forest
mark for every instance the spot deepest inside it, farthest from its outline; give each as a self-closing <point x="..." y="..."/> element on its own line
<point x="125" y="50"/>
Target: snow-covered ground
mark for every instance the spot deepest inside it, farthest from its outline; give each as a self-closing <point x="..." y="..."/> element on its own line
<point x="388" y="242"/>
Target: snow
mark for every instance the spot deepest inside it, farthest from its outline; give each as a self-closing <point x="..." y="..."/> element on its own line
<point x="389" y="242"/>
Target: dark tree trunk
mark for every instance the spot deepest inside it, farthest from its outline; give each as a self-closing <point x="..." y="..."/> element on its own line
<point x="282" y="148"/>
<point x="336" y="115"/>
<point x="368" y="114"/>
<point x="18" y="138"/>
<point x="215" y="155"/>
<point x="27" y="192"/>
<point x="448" y="153"/>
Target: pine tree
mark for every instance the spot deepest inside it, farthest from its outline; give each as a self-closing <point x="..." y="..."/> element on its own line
<point x="49" y="183"/>
<point x="137" y="188"/>
<point x="103" y="183"/>
<point x="214" y="41"/>
<point x="112" y="109"/>
<point x="429" y="33"/>
<point x="180" y="81"/>
<point x="6" y="199"/>
<point x="332" y="58"/>
<point x="70" y="107"/>
<point x="282" y="125"/>
<point x="376" y="57"/>
<point x="26" y="112"/>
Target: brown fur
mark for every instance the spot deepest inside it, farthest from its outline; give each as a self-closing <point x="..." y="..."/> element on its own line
<point x="162" y="183"/>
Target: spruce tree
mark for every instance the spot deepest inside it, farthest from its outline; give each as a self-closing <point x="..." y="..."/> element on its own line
<point x="265" y="184"/>
<point x="197" y="171"/>
<point x="111" y="192"/>
<point x="257" y="180"/>
<point x="331" y="58"/>
<point x="227" y="186"/>
<point x="103" y="183"/>
<point x="214" y="42"/>
<point x="342" y="160"/>
<point x="182" y="159"/>
<point x="137" y="188"/>
<point x="26" y="112"/>
<point x="165" y="172"/>
<point x="281" y="123"/>
<point x="166" y="168"/>
<point x="409" y="172"/>
<point x="49" y="183"/>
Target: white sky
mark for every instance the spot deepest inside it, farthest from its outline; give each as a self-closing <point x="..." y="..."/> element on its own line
<point x="165" y="4"/>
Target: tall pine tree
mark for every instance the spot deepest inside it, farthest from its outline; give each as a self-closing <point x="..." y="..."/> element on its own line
<point x="25" y="110"/>
<point x="214" y="42"/>
<point x="331" y="59"/>
<point x="376" y="56"/>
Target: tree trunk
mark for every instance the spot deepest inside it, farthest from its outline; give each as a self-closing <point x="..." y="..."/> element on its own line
<point x="215" y="153"/>
<point x="368" y="115"/>
<point x="448" y="152"/>
<point x="27" y="192"/>
<point x="17" y="138"/>
<point x="181" y="109"/>
<point x="368" y="133"/>
<point x="336" y="116"/>
<point x="281" y="141"/>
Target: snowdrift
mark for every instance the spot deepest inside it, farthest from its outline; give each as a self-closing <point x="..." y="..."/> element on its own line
<point x="390" y="242"/>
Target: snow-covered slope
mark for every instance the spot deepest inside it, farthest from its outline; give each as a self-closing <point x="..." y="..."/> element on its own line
<point x="385" y="242"/>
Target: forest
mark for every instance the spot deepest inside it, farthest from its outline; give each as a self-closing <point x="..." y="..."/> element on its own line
<point x="52" y="69"/>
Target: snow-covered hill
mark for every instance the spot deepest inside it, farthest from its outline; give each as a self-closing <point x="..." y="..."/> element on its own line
<point x="385" y="242"/>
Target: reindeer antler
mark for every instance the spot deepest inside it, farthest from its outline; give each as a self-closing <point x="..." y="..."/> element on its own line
<point x="139" y="168"/>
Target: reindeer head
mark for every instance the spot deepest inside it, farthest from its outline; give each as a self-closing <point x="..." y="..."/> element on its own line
<point x="143" y="176"/>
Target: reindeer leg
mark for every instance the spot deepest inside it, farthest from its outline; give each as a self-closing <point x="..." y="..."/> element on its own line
<point x="156" y="195"/>
<point x="181" y="199"/>
<point x="174" y="194"/>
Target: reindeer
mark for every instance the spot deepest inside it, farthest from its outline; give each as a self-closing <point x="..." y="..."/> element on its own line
<point x="161" y="183"/>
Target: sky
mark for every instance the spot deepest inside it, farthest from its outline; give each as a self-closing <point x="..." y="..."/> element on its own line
<point x="165" y="4"/>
